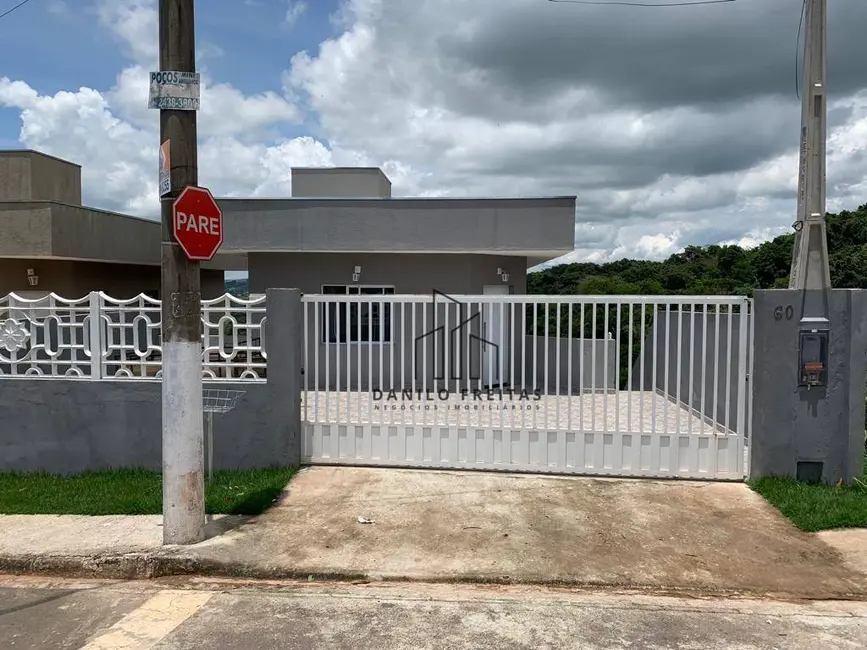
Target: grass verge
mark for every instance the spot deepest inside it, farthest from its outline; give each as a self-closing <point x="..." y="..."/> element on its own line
<point x="134" y="492"/>
<point x="814" y="507"/>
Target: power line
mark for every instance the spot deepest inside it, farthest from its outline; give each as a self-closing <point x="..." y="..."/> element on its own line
<point x="688" y="3"/>
<point x="18" y="6"/>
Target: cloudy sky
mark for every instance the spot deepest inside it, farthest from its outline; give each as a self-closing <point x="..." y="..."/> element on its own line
<point x="673" y="126"/>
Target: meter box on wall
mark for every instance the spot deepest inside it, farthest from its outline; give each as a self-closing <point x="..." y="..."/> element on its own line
<point x="813" y="355"/>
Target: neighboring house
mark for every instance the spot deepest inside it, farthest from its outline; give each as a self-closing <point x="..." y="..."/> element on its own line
<point x="49" y="242"/>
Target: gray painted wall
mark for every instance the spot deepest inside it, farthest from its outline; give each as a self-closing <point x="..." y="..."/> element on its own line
<point x="583" y="376"/>
<point x="712" y="377"/>
<point x="69" y="426"/>
<point x="349" y="182"/>
<point x="407" y="273"/>
<point x="544" y="227"/>
<point x="43" y="228"/>
<point x="26" y="229"/>
<point x="75" y="280"/>
<point x="32" y="176"/>
<point x="822" y="424"/>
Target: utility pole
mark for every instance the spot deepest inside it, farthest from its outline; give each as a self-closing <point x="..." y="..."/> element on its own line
<point x="182" y="431"/>
<point x="810" y="270"/>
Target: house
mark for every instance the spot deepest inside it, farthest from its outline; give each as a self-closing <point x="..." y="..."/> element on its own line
<point x="50" y="242"/>
<point x="343" y="238"/>
<point x="342" y="232"/>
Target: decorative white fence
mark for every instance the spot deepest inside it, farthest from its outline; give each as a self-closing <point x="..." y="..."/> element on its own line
<point x="100" y="337"/>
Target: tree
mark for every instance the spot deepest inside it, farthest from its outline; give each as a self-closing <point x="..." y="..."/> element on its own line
<point x="707" y="270"/>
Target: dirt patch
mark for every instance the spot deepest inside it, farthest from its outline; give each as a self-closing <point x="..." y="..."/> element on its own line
<point x="474" y="525"/>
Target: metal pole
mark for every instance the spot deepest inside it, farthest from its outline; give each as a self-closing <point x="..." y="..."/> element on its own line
<point x="210" y="446"/>
<point x="810" y="268"/>
<point x="183" y="474"/>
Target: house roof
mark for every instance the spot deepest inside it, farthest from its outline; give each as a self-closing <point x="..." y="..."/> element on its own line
<point x="540" y="228"/>
<point x="53" y="230"/>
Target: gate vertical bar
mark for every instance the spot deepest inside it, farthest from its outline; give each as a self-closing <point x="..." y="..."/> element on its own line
<point x="744" y="346"/>
<point x="569" y="378"/>
<point x="582" y="369"/>
<point x="691" y="366"/>
<point x="630" y="363"/>
<point x="337" y="332"/>
<point x="327" y="325"/>
<point x="605" y="335"/>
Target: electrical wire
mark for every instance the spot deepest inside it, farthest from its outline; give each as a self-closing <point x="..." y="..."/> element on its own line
<point x="798" y="50"/>
<point x="687" y="3"/>
<point x="18" y="6"/>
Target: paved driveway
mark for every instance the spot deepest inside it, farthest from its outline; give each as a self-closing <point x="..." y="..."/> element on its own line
<point x="485" y="526"/>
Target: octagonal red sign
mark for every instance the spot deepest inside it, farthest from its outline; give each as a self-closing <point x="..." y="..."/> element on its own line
<point x="197" y="223"/>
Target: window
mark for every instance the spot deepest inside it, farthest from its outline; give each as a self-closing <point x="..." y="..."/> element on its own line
<point x="356" y="322"/>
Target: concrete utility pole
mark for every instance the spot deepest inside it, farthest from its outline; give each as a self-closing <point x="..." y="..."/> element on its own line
<point x="810" y="270"/>
<point x="183" y="447"/>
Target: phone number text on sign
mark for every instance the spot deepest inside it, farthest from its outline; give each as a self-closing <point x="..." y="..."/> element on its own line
<point x="178" y="91"/>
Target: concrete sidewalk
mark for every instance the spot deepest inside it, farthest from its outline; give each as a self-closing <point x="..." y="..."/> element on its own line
<point x="472" y="526"/>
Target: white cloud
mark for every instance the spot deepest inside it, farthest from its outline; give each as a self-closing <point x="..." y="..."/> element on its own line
<point x="294" y="11"/>
<point x="134" y="25"/>
<point x="429" y="84"/>
<point x="486" y="99"/>
<point x="114" y="136"/>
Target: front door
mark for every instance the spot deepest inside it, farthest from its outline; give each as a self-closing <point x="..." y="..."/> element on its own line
<point x="496" y="331"/>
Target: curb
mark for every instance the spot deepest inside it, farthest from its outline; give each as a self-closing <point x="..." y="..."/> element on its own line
<point x="149" y="566"/>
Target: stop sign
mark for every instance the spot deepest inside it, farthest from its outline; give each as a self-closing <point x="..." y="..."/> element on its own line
<point x="197" y="223"/>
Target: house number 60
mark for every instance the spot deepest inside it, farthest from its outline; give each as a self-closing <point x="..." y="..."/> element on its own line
<point x="780" y="312"/>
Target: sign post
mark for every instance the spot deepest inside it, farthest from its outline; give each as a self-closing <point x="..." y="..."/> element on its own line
<point x="175" y="95"/>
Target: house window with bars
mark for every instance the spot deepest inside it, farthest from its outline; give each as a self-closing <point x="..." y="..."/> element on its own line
<point x="364" y="322"/>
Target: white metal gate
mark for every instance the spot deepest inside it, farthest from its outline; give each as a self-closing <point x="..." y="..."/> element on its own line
<point x="598" y="385"/>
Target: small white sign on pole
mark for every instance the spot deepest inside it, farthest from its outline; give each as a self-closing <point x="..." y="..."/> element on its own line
<point x="165" y="169"/>
<point x="174" y="91"/>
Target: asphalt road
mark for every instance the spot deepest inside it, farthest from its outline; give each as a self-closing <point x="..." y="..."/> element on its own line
<point x="176" y="614"/>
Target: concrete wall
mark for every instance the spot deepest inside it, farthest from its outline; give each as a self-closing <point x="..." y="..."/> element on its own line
<point x="76" y="279"/>
<point x="795" y="427"/>
<point x="407" y="273"/>
<point x="583" y="377"/>
<point x="69" y="426"/>
<point x="32" y="176"/>
<point x="40" y="228"/>
<point x="26" y="229"/>
<point x="528" y="227"/>
<point x="715" y="370"/>
<point x="349" y="182"/>
<point x="53" y="179"/>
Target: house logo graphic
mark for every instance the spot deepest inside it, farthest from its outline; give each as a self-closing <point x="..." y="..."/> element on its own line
<point x="467" y="353"/>
<point x="460" y="344"/>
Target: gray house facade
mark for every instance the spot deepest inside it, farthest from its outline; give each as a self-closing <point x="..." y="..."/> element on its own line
<point x="343" y="236"/>
<point x="343" y="228"/>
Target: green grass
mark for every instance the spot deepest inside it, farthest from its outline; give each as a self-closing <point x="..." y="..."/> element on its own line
<point x="134" y="492"/>
<point x="814" y="507"/>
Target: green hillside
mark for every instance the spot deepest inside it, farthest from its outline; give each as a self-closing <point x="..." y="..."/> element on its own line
<point x="714" y="270"/>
